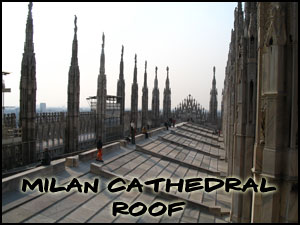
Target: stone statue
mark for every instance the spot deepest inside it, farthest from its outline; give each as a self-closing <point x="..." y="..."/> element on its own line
<point x="145" y="64"/>
<point x="103" y="39"/>
<point x="122" y="52"/>
<point x="263" y="123"/>
<point x="75" y="22"/>
<point x="30" y="6"/>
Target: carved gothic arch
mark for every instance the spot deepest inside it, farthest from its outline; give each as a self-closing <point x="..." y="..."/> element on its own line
<point x="276" y="32"/>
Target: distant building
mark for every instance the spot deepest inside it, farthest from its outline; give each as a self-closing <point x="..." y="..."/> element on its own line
<point x="42" y="107"/>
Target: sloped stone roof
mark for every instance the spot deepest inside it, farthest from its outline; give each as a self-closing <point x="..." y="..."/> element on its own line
<point x="186" y="151"/>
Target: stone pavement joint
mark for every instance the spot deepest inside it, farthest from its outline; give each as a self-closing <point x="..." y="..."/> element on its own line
<point x="189" y="137"/>
<point x="188" y="147"/>
<point x="215" y="173"/>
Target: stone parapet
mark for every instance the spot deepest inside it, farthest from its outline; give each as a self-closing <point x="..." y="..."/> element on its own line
<point x="93" y="153"/>
<point x="72" y="161"/>
<point x="13" y="182"/>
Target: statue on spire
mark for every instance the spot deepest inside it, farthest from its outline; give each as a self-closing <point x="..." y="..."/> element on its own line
<point x="122" y="51"/>
<point x="30" y="6"/>
<point x="103" y="39"/>
<point x="135" y="59"/>
<point x="75" y="22"/>
<point x="145" y="64"/>
<point x="167" y="71"/>
<point x="156" y="70"/>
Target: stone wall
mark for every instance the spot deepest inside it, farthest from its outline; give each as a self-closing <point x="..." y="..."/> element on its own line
<point x="260" y="109"/>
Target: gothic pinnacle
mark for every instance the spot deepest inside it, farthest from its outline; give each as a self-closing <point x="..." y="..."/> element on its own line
<point x="28" y="88"/>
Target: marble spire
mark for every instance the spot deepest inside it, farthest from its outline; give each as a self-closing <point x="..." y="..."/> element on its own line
<point x="72" y="126"/>
<point x="101" y="97"/>
<point x="134" y="96"/>
<point x="145" y="99"/>
<point x="167" y="99"/>
<point x="155" y="102"/>
<point x="213" y="103"/>
<point x="121" y="91"/>
<point x="28" y="93"/>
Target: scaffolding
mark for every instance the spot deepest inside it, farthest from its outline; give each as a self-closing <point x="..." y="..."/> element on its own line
<point x="92" y="100"/>
<point x="113" y="126"/>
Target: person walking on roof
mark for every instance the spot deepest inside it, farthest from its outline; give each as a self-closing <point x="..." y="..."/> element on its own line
<point x="99" y="147"/>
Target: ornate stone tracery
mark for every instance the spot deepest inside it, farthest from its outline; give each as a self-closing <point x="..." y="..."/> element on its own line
<point x="190" y="110"/>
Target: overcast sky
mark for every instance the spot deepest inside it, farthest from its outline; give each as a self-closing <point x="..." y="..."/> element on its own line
<point x="190" y="38"/>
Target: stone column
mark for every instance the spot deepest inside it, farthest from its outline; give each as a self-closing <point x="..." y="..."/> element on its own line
<point x="239" y="208"/>
<point x="28" y="94"/>
<point x="72" y="126"/>
<point x="251" y="65"/>
<point x="274" y="157"/>
<point x="231" y="104"/>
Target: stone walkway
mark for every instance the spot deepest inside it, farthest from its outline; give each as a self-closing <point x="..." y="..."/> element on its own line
<point x="171" y="154"/>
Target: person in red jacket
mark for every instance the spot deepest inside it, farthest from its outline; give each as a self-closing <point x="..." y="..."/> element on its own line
<point x="99" y="147"/>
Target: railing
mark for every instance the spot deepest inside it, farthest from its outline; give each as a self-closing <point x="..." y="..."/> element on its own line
<point x="8" y="132"/>
<point x="14" y="155"/>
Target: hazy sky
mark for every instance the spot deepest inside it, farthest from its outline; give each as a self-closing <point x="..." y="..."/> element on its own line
<point x="190" y="38"/>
